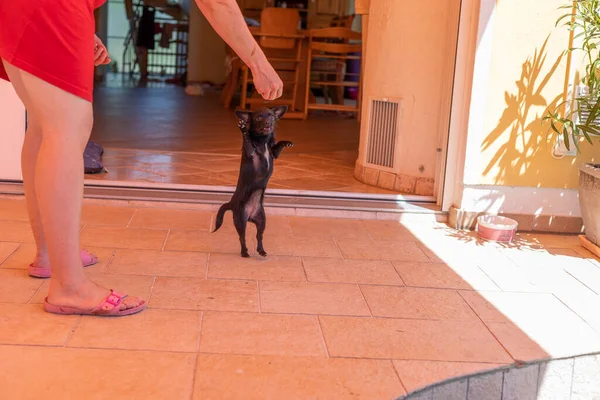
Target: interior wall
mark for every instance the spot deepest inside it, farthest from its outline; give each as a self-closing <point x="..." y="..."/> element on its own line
<point x="206" y="52"/>
<point x="410" y="56"/>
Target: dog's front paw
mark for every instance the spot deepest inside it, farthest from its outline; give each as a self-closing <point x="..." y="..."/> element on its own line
<point x="289" y="144"/>
<point x="262" y="253"/>
<point x="245" y="254"/>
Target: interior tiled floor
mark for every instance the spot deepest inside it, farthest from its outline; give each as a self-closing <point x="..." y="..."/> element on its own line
<point x="161" y="135"/>
<point x="339" y="309"/>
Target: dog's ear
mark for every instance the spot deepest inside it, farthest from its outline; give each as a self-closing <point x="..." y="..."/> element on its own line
<point x="243" y="120"/>
<point x="279" y="111"/>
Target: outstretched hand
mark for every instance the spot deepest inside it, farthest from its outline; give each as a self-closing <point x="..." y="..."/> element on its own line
<point x="101" y="56"/>
<point x="266" y="81"/>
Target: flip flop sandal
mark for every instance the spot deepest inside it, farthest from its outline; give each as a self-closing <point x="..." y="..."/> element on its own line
<point x="109" y="307"/>
<point x="87" y="260"/>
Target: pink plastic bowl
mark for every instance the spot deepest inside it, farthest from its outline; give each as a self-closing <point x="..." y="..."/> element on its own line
<point x="497" y="229"/>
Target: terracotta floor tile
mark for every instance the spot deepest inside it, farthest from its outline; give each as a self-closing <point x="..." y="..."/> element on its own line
<point x="13" y="209"/>
<point x="312" y="298"/>
<point x="271" y="268"/>
<point x="441" y="275"/>
<point x="381" y="250"/>
<point x="268" y="334"/>
<point x="95" y="215"/>
<point x="123" y="238"/>
<point x="277" y="225"/>
<point x="15" y="231"/>
<point x="171" y="219"/>
<point x="159" y="263"/>
<point x="541" y="318"/>
<point x="221" y="166"/>
<point x="293" y="378"/>
<point x="328" y="228"/>
<point x="206" y="242"/>
<point x="388" y="230"/>
<point x="131" y="285"/>
<point x="16" y="286"/>
<point x="550" y="241"/>
<point x="517" y="343"/>
<point x="302" y="246"/>
<point x="351" y="271"/>
<point x="411" y="339"/>
<point x="25" y="254"/>
<point x="21" y="258"/>
<point x="417" y="374"/>
<point x="152" y="329"/>
<point x="94" y="374"/>
<point x="199" y="294"/>
<point x="6" y="250"/>
<point x="417" y="303"/>
<point x="309" y="184"/>
<point x="283" y="172"/>
<point x="29" y="324"/>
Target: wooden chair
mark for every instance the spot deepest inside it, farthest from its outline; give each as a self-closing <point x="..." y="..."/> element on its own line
<point x="279" y="38"/>
<point x="343" y="21"/>
<point x="331" y="47"/>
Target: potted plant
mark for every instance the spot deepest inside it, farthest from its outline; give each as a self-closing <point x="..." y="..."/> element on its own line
<point x="579" y="118"/>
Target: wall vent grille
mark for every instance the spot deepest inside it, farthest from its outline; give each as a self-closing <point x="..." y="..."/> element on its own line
<point x="383" y="125"/>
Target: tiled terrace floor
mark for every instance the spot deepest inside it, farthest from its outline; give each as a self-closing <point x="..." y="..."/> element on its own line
<point x="340" y="309"/>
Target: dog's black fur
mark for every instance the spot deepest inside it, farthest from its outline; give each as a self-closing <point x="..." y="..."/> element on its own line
<point x="258" y="151"/>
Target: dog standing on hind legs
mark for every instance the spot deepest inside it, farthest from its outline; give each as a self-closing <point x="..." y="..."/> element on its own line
<point x="259" y="149"/>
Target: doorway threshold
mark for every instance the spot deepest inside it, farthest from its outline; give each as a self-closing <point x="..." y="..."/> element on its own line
<point x="277" y="201"/>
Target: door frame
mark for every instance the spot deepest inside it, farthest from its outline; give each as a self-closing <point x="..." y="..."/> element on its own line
<point x="449" y="176"/>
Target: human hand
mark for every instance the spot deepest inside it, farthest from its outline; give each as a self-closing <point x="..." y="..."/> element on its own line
<point x="101" y="56"/>
<point x="266" y="81"/>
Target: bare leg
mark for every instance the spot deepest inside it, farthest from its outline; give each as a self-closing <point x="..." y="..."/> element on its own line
<point x="29" y="156"/>
<point x="65" y="121"/>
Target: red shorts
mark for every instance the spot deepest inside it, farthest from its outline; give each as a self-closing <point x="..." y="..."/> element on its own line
<point x="51" y="39"/>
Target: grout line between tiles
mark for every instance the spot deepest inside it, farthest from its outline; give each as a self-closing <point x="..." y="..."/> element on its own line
<point x="36" y="292"/>
<point x="575" y="312"/>
<point x="304" y="269"/>
<point x="135" y="210"/>
<point x="196" y="355"/>
<point x="487" y="327"/>
<point x="207" y="266"/>
<point x="391" y="264"/>
<point x="338" y="248"/>
<point x="77" y="321"/>
<point x="323" y="336"/>
<point x="11" y="254"/>
<point x="398" y="375"/>
<point x="165" y="242"/>
<point x="258" y="296"/>
<point x="365" y="299"/>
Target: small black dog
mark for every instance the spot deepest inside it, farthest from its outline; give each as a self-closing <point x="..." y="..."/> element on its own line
<point x="258" y="151"/>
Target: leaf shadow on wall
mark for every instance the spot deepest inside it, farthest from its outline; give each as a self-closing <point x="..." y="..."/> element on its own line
<point x="527" y="136"/>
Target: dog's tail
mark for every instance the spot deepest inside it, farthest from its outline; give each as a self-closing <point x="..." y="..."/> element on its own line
<point x="220" y="214"/>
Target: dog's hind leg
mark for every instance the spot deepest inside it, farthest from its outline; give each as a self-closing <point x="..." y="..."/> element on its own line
<point x="240" y="220"/>
<point x="260" y="220"/>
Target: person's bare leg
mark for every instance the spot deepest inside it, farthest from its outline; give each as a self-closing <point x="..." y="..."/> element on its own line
<point x="29" y="155"/>
<point x="65" y="121"/>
